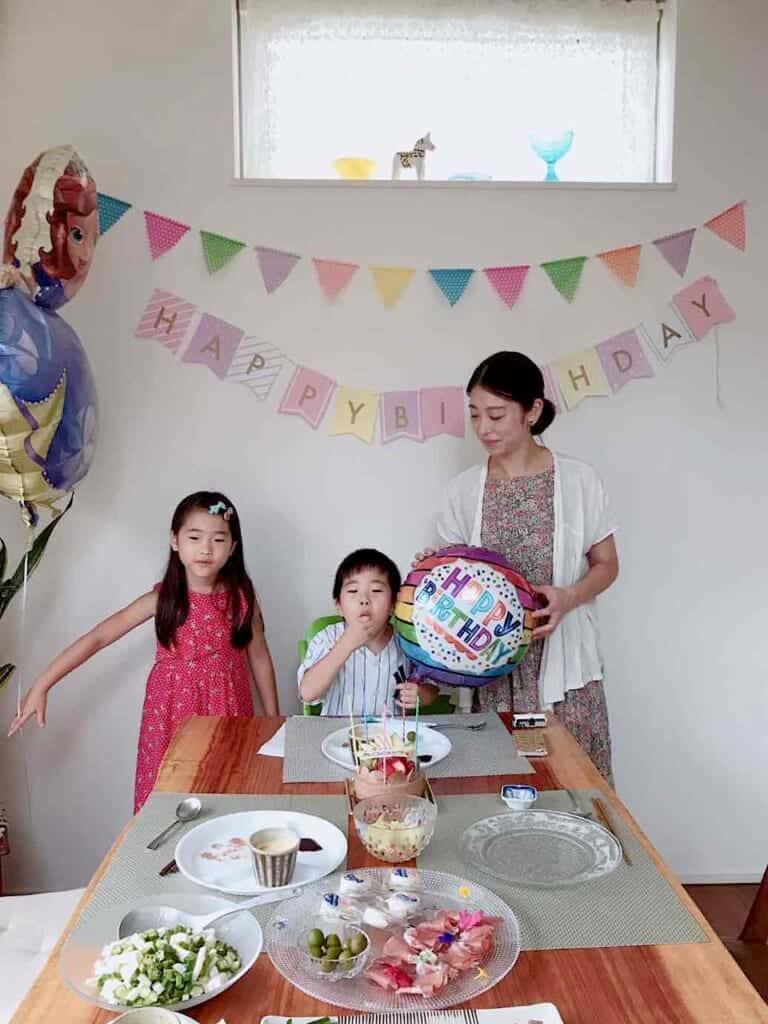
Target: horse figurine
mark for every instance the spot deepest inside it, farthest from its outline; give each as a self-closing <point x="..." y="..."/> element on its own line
<point x="412" y="157"/>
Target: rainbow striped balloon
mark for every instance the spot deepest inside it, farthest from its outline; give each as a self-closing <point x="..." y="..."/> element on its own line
<point x="464" y="616"/>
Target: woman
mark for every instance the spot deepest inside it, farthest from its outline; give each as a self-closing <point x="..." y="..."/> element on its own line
<point x="549" y="516"/>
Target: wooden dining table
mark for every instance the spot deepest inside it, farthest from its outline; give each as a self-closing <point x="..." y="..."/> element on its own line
<point x="693" y="983"/>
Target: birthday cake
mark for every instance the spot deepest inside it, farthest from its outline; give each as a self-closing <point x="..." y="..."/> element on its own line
<point x="386" y="764"/>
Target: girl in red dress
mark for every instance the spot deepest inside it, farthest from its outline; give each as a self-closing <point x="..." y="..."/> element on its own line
<point x="210" y="636"/>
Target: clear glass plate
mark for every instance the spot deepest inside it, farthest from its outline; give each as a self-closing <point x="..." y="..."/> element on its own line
<point x="541" y="848"/>
<point x="437" y="891"/>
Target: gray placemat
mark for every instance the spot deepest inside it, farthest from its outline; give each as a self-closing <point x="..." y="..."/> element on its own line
<point x="633" y="906"/>
<point x="489" y="751"/>
<point x="133" y="874"/>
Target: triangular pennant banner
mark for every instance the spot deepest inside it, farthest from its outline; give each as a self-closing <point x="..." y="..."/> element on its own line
<point x="110" y="211"/>
<point x="730" y="226"/>
<point x="452" y="282"/>
<point x="162" y="233"/>
<point x="565" y="274"/>
<point x="624" y="263"/>
<point x="508" y="282"/>
<point x="391" y="282"/>
<point x="676" y="249"/>
<point x="218" y="250"/>
<point x="275" y="266"/>
<point x="334" y="276"/>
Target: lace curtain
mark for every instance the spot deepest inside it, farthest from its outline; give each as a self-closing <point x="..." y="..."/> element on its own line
<point x="322" y="79"/>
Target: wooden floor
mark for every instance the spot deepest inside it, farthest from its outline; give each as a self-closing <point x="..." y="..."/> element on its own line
<point x="724" y="906"/>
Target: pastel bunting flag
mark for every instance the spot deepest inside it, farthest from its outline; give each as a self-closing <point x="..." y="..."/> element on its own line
<point x="110" y="211"/>
<point x="580" y="376"/>
<point x="666" y="332"/>
<point x="257" y="365"/>
<point x="166" y="319"/>
<point x="355" y="412"/>
<point x="391" y="282"/>
<point x="730" y="225"/>
<point x="400" y="416"/>
<point x="162" y="233"/>
<point x="452" y="282"/>
<point x="703" y="306"/>
<point x="624" y="263"/>
<point x="550" y="388"/>
<point x="307" y="395"/>
<point x="275" y="266"/>
<point x="565" y="274"/>
<point x="676" y="249"/>
<point x="334" y="276"/>
<point x="508" y="282"/>
<point x="623" y="359"/>
<point x="442" y="411"/>
<point x="218" y="250"/>
<point x="213" y="344"/>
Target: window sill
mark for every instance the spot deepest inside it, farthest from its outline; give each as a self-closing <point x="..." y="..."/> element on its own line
<point x="379" y="184"/>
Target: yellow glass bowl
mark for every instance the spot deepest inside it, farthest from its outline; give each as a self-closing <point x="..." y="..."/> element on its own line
<point x="354" y="166"/>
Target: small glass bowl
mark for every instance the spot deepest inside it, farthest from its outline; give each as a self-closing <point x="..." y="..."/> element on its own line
<point x="328" y="969"/>
<point x="395" y="828"/>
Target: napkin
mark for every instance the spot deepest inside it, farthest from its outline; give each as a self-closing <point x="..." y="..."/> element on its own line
<point x="275" y="746"/>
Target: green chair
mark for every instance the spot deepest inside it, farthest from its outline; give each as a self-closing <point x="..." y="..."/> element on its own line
<point x="441" y="706"/>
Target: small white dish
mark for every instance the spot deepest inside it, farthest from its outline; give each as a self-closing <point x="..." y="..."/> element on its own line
<point x="150" y="1015"/>
<point x="519" y="798"/>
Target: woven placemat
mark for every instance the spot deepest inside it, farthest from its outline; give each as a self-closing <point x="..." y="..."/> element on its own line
<point x="633" y="906"/>
<point x="133" y="874"/>
<point x="489" y="751"/>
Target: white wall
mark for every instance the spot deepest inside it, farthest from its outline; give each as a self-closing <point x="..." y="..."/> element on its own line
<point x="144" y="92"/>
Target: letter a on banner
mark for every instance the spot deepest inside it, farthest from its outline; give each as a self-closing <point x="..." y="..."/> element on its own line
<point x="213" y="344"/>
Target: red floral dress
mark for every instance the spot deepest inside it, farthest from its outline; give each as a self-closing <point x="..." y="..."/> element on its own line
<point x="203" y="674"/>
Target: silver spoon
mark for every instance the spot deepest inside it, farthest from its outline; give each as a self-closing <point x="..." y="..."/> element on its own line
<point x="472" y="726"/>
<point x="188" y="810"/>
<point x="168" y="917"/>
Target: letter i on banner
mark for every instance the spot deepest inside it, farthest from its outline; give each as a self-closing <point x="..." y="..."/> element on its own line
<point x="623" y="359"/>
<point x="213" y="344"/>
<point x="355" y="412"/>
<point x="580" y="376"/>
<point x="166" y="319"/>
<point x="442" y="411"/>
<point x="307" y="395"/>
<point x="400" y="416"/>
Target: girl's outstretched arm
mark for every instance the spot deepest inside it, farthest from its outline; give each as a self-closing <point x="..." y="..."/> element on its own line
<point x="111" y="629"/>
<point x="262" y="668"/>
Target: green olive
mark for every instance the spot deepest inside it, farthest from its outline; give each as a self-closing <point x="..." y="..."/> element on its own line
<point x="357" y="944"/>
<point x="411" y="737"/>
<point x="345" y="960"/>
<point x="318" y="952"/>
<point x="315" y="938"/>
<point x="333" y="940"/>
<point x="333" y="953"/>
<point x="327" y="966"/>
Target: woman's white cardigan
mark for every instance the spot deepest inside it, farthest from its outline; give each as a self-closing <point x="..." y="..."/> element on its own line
<point x="582" y="518"/>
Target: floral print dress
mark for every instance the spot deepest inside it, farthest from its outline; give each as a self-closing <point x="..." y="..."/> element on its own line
<point x="518" y="522"/>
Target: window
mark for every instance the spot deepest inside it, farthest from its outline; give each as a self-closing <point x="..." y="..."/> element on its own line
<point x="323" y="79"/>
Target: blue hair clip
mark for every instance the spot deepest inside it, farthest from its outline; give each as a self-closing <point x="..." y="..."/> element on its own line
<point x="221" y="509"/>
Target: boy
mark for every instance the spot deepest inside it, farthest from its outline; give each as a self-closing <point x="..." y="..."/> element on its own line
<point x="357" y="659"/>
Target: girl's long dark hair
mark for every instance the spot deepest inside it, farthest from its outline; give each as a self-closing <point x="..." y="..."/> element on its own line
<point x="173" y="599"/>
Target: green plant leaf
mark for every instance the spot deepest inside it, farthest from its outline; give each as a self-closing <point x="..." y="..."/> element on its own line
<point x="5" y="674"/>
<point x="11" y="586"/>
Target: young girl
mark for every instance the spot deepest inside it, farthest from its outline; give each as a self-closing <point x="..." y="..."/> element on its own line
<point x="209" y="631"/>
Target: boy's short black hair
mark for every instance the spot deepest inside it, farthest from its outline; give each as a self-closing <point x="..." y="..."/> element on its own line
<point x="367" y="558"/>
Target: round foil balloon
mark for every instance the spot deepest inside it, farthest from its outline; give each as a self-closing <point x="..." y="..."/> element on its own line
<point x="47" y="397"/>
<point x="463" y="616"/>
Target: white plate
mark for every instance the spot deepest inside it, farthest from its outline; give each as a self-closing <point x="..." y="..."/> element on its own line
<point x="430" y="742"/>
<point x="84" y="944"/>
<point x="547" y="1013"/>
<point x="236" y="877"/>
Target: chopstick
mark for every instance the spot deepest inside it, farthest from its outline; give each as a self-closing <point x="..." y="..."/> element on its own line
<point x="602" y="814"/>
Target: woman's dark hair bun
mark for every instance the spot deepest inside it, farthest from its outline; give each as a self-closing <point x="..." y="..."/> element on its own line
<point x="545" y="419"/>
<point x="512" y="375"/>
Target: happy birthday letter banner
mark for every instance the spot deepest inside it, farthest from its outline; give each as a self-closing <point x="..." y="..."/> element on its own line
<point x="600" y="370"/>
<point x="333" y="276"/>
